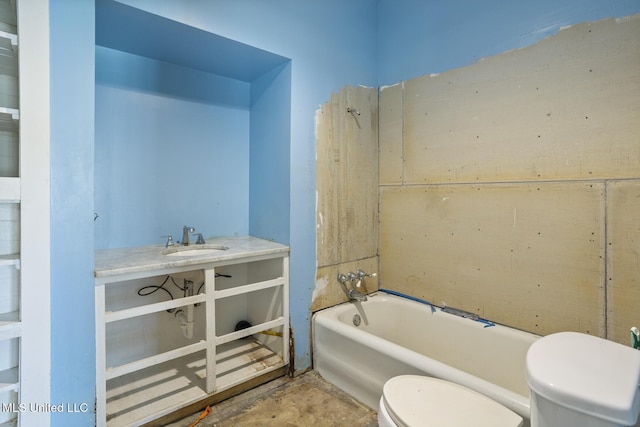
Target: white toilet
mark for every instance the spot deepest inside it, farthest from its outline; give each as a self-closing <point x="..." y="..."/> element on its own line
<point x="415" y="401"/>
<point x="577" y="380"/>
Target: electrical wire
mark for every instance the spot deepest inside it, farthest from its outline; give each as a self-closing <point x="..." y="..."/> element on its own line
<point x="217" y="275"/>
<point x="150" y="289"/>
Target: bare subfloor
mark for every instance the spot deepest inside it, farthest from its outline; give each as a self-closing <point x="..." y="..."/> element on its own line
<point x="306" y="400"/>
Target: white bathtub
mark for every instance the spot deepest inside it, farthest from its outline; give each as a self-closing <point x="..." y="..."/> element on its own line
<point x="399" y="336"/>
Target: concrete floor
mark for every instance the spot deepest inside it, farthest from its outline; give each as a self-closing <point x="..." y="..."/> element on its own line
<point x="306" y="400"/>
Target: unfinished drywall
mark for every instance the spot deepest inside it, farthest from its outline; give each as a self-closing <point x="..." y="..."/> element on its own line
<point x="391" y="134"/>
<point x="509" y="187"/>
<point x="623" y="258"/>
<point x="529" y="255"/>
<point x="347" y="191"/>
<point x="555" y="110"/>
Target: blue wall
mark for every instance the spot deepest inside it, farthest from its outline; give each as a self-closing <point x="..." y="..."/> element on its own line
<point x="168" y="139"/>
<point x="269" y="161"/>
<point x="418" y="37"/>
<point x="72" y="287"/>
<point x="331" y="44"/>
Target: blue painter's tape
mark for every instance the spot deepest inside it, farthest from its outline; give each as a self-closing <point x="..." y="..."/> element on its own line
<point x="399" y="294"/>
<point x="487" y="323"/>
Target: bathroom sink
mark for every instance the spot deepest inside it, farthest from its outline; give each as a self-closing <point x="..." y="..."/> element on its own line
<point x="200" y="250"/>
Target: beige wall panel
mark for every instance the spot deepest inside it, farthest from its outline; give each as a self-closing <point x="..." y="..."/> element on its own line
<point x="328" y="292"/>
<point x="391" y="130"/>
<point x="347" y="177"/>
<point x="567" y="107"/>
<point x="328" y="164"/>
<point x="623" y="258"/>
<point x="527" y="255"/>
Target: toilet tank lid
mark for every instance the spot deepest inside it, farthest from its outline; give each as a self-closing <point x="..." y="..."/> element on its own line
<point x="587" y="374"/>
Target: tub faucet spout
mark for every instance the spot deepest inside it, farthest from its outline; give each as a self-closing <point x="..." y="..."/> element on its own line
<point x="356" y="295"/>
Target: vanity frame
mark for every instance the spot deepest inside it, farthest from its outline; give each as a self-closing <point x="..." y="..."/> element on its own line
<point x="211" y="345"/>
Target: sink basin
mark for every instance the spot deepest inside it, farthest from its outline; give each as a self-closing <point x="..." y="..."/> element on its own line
<point x="200" y="250"/>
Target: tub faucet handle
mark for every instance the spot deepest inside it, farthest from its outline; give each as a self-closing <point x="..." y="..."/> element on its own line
<point x="361" y="274"/>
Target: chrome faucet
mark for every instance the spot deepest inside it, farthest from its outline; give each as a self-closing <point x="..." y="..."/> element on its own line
<point x="356" y="295"/>
<point x="361" y="274"/>
<point x="170" y="241"/>
<point x="185" y="234"/>
<point x="356" y="292"/>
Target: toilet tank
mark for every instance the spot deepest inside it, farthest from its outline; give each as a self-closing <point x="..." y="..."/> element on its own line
<point x="577" y="379"/>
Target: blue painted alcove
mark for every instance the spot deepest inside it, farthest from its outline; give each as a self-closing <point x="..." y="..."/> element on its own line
<point x="191" y="129"/>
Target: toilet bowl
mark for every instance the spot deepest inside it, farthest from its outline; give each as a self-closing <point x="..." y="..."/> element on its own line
<point x="412" y="401"/>
<point x="577" y="380"/>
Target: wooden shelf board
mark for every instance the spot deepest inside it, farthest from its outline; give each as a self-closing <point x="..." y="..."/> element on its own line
<point x="9" y="122"/>
<point x="10" y="38"/>
<point x="8" y="16"/>
<point x="12" y="422"/>
<point x="9" y="380"/>
<point x="10" y="326"/>
<point x="145" y="395"/>
<point x="12" y="113"/>
<point x="9" y="189"/>
<point x="10" y="259"/>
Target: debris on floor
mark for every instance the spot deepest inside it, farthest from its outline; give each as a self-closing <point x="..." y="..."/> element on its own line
<point x="305" y="401"/>
<point x="204" y="413"/>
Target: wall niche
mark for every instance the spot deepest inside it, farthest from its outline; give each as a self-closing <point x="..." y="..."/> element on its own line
<point x="191" y="129"/>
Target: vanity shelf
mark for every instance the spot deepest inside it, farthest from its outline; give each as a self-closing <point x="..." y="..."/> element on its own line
<point x="145" y="385"/>
<point x="145" y="395"/>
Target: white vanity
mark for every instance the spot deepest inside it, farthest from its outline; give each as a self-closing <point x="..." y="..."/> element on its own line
<point x="175" y="329"/>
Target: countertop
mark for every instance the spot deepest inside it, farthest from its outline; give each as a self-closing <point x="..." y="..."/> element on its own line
<point x="113" y="262"/>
